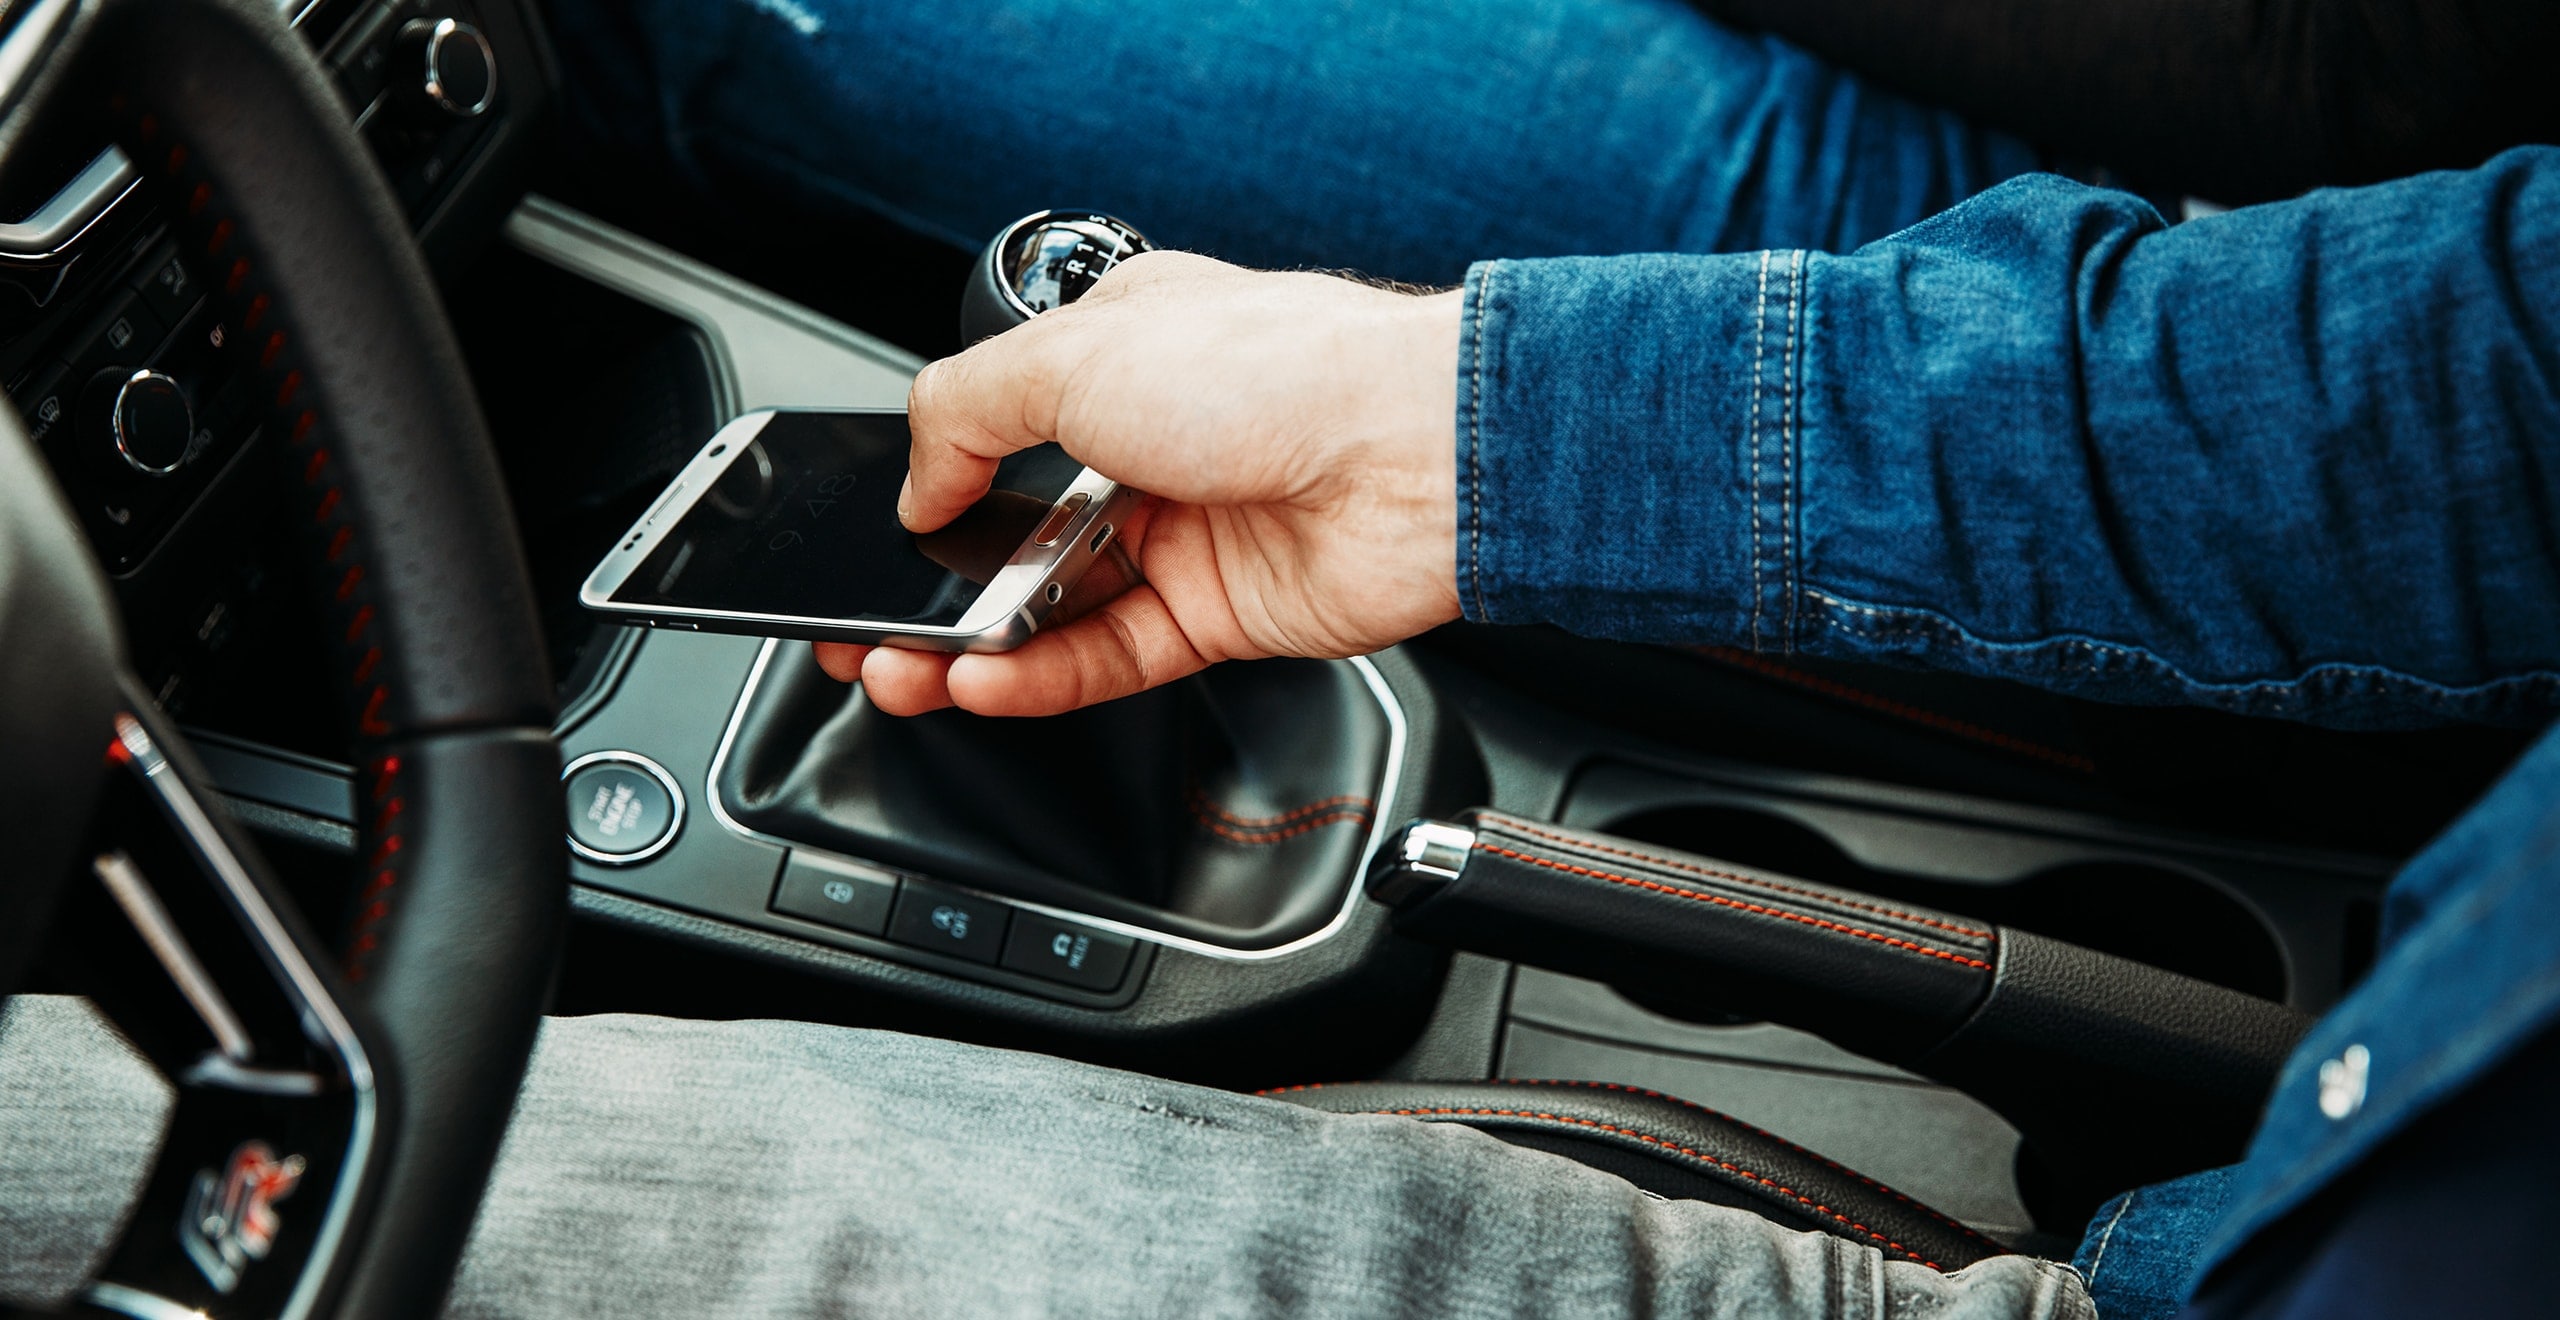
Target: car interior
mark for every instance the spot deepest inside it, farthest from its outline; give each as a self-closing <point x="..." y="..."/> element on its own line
<point x="346" y="372"/>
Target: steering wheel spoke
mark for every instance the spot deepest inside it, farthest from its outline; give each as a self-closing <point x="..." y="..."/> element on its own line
<point x="179" y="937"/>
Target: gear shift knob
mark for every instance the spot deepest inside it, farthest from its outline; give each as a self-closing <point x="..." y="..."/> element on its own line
<point x="1040" y="262"/>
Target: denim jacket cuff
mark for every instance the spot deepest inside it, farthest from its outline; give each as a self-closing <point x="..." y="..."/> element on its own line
<point x="1627" y="440"/>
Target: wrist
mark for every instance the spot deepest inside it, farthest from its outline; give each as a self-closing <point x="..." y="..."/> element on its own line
<point x="1415" y="412"/>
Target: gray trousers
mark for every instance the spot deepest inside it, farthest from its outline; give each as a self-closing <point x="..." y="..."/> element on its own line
<point x="687" y="1169"/>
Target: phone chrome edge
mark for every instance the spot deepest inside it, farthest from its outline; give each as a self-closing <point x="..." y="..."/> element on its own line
<point x="995" y="622"/>
<point x="699" y="474"/>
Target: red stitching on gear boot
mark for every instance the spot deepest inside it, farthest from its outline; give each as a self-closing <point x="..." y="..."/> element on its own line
<point x="1275" y="829"/>
<point x="1719" y="900"/>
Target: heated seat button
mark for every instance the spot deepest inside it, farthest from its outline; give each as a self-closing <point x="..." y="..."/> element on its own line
<point x="623" y="807"/>
<point x="1067" y="953"/>
<point x="947" y="921"/>
<point x="841" y="894"/>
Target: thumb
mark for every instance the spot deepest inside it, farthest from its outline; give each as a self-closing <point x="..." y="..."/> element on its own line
<point x="965" y="413"/>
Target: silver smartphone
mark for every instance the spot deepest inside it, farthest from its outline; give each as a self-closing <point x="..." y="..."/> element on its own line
<point x="786" y="525"/>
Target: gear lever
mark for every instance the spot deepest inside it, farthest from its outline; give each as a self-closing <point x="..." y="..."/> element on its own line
<point x="1040" y="262"/>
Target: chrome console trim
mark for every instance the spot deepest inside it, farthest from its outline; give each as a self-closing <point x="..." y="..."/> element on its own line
<point x="107" y="181"/>
<point x="1391" y="774"/>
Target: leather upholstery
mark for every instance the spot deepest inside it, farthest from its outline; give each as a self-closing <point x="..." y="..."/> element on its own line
<point x="1228" y="807"/>
<point x="1887" y="979"/>
<point x="2116" y="1072"/>
<point x="1673" y="1148"/>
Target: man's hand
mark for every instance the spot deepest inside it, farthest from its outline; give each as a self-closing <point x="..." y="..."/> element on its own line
<point x="1295" y="431"/>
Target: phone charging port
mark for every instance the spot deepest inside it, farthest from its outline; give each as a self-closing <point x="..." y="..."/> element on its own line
<point x="1100" y="539"/>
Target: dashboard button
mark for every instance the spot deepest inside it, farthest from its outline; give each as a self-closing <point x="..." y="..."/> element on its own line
<point x="1067" y="953"/>
<point x="840" y="894"/>
<point x="168" y="288"/>
<point x="126" y="332"/>
<point x="457" y="72"/>
<point x="947" y="921"/>
<point x="150" y="423"/>
<point x="623" y="807"/>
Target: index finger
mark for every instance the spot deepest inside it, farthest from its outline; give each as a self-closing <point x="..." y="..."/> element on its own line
<point x="966" y="413"/>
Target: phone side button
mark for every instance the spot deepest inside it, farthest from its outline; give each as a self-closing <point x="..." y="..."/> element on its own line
<point x="946" y="921"/>
<point x="840" y="895"/>
<point x="1067" y="953"/>
<point x="1058" y="518"/>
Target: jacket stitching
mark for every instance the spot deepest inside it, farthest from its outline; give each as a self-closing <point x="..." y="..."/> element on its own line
<point x="1524" y="827"/>
<point x="1475" y="447"/>
<point x="1719" y="900"/>
<point x="1693" y="1153"/>
<point x="1793" y="403"/>
<point x="2100" y="1259"/>
<point x="2046" y="654"/>
<point x="1759" y="350"/>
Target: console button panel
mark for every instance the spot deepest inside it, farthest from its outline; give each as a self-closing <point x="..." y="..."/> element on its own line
<point x="839" y="894"/>
<point x="1067" y="953"/>
<point x="949" y="922"/>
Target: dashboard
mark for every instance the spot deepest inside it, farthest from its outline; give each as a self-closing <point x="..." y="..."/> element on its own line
<point x="128" y="380"/>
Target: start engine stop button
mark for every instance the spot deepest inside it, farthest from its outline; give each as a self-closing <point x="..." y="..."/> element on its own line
<point x="623" y="807"/>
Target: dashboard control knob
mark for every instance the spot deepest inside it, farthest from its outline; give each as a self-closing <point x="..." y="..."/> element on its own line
<point x="1041" y="262"/>
<point x="457" y="71"/>
<point x="151" y="423"/>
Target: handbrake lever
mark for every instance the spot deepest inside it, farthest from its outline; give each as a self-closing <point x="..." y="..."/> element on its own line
<point x="2117" y="1072"/>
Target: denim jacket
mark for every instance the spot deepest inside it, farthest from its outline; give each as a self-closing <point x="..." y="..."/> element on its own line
<point x="2298" y="460"/>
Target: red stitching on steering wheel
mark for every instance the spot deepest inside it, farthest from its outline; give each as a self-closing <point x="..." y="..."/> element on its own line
<point x="333" y="520"/>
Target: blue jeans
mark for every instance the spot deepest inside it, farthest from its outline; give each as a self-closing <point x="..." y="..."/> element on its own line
<point x="1849" y="398"/>
<point x="1406" y="140"/>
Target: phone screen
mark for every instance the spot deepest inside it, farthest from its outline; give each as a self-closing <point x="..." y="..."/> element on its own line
<point x="805" y="523"/>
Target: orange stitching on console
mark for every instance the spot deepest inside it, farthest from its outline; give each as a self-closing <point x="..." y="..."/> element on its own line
<point x="1816" y="1156"/>
<point x="1721" y="901"/>
<point x="1511" y="823"/>
<point x="1700" y="1156"/>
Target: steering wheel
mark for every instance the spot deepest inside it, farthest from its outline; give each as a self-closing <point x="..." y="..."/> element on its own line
<point x="339" y="1102"/>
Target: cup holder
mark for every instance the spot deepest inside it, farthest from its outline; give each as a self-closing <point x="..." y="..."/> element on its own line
<point x="2153" y="912"/>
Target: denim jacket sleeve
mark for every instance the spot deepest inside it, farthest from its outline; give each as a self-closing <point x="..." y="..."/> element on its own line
<point x="2300" y="459"/>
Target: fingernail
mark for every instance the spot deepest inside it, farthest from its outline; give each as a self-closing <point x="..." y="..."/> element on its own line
<point x="906" y="494"/>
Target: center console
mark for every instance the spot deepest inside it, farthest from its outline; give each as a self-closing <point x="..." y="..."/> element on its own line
<point x="1169" y="883"/>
